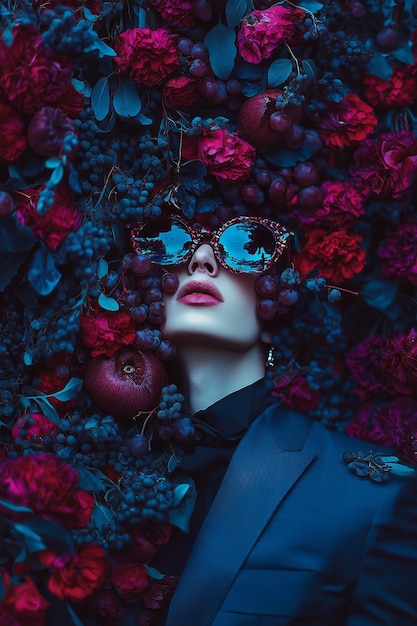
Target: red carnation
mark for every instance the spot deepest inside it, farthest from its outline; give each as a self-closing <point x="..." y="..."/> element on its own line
<point x="296" y="393"/>
<point x="175" y="12"/>
<point x="399" y="361"/>
<point x="12" y="133"/>
<point x="54" y="225"/>
<point x="107" y="331"/>
<point x="130" y="580"/>
<point x="338" y="255"/>
<point x="32" y="75"/>
<point x="48" y="486"/>
<point x="341" y="206"/>
<point x="347" y="123"/>
<point x="33" y="427"/>
<point x="262" y="32"/>
<point x="364" y="362"/>
<point x="226" y="156"/>
<point x="400" y="90"/>
<point x="387" y="167"/>
<point x="75" y="576"/>
<point x="26" y="603"/>
<point x="147" y="56"/>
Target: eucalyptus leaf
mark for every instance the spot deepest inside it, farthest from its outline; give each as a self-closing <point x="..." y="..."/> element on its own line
<point x="7" y="37"/>
<point x="154" y="573"/>
<point x="9" y="266"/>
<point x="52" y="163"/>
<point x="33" y="541"/>
<point x="400" y="470"/>
<point x="126" y="100"/>
<point x="14" y="237"/>
<point x="389" y="459"/>
<point x="235" y="10"/>
<point x="404" y="54"/>
<point x="102" y="48"/>
<point x="379" y="293"/>
<point x="15" y="507"/>
<point x="220" y="42"/>
<point x="89" y="480"/>
<point x="100" y="98"/>
<point x="181" y="514"/>
<point x="57" y="174"/>
<point x="278" y="72"/>
<point x="379" y="66"/>
<point x="310" y="5"/>
<point x="144" y="120"/>
<point x="195" y="167"/>
<point x="107" y="303"/>
<point x="43" y="275"/>
<point x="179" y="493"/>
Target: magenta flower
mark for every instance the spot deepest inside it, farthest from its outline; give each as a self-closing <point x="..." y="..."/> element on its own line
<point x="263" y="32"/>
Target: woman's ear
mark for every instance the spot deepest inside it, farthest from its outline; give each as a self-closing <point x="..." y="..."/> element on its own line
<point x="266" y="337"/>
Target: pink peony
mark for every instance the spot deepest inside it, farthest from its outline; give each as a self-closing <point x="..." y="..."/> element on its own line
<point x="364" y="362"/>
<point x="26" y="603"/>
<point x="175" y="12"/>
<point x="226" y="156"/>
<point x="341" y="207"/>
<point x="398" y="254"/>
<point x="33" y="427"/>
<point x="263" y="32"/>
<point x="147" y="56"/>
<point x="399" y="361"/>
<point x="130" y="580"/>
<point x="347" y="123"/>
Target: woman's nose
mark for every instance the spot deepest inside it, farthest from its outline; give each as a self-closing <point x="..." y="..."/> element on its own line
<point x="203" y="260"/>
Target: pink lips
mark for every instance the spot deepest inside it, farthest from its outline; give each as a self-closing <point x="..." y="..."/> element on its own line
<point x="202" y="293"/>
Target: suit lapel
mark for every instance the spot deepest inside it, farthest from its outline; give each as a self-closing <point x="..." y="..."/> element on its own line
<point x="259" y="476"/>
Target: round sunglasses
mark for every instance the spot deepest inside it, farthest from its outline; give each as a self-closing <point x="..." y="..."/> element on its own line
<point x="242" y="245"/>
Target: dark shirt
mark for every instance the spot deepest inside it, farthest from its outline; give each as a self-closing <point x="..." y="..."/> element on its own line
<point x="230" y="417"/>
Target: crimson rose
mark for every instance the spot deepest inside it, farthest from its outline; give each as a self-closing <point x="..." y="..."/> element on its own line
<point x="338" y="255"/>
<point x="262" y="32"/>
<point x="398" y="254"/>
<point x="226" y="156"/>
<point x="12" y="133"/>
<point x="107" y="331"/>
<point x="54" y="225"/>
<point x="75" y="576"/>
<point x="147" y="56"/>
<point x="32" y="75"/>
<point x="347" y="123"/>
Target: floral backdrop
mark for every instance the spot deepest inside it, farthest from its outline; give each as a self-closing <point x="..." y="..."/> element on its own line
<point x="112" y="112"/>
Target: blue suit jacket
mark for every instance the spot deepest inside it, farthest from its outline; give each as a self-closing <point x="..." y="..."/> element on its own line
<point x="293" y="538"/>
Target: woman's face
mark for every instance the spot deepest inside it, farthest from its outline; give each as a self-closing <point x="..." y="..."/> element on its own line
<point x="211" y="305"/>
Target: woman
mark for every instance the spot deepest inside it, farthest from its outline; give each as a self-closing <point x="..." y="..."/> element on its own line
<point x="282" y="533"/>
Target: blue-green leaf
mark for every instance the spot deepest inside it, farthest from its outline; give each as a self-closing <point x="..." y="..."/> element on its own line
<point x="47" y="409"/>
<point x="15" y="507"/>
<point x="400" y="470"/>
<point x="179" y="493"/>
<point x="33" y="541"/>
<point x="14" y="237"/>
<point x="57" y="174"/>
<point x="154" y="573"/>
<point x="81" y="87"/>
<point x="311" y="5"/>
<point x="103" y="268"/>
<point x="126" y="100"/>
<point x="100" y="98"/>
<point x="52" y="163"/>
<point x="9" y="265"/>
<point x="144" y="120"/>
<point x="103" y="49"/>
<point x="7" y="37"/>
<point x="379" y="293"/>
<point x="278" y="72"/>
<point x="43" y="275"/>
<point x="220" y="42"/>
<point x="389" y="459"/>
<point x="404" y="54"/>
<point x="181" y="514"/>
<point x="235" y="10"/>
<point x="379" y="66"/>
<point x="107" y="303"/>
<point x="70" y="390"/>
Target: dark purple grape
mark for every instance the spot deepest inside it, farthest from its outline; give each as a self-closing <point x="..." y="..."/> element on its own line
<point x="166" y="350"/>
<point x="199" y="51"/>
<point x="170" y="282"/>
<point x="140" y="265"/>
<point x="156" y="312"/>
<point x="277" y="189"/>
<point x="127" y="260"/>
<point x="110" y="281"/>
<point x="62" y="370"/>
<point x="184" y="46"/>
<point x="357" y="9"/>
<point x="221" y="95"/>
<point x="248" y="193"/>
<point x="263" y="178"/>
<point x="202" y="10"/>
<point x="208" y="87"/>
<point x="144" y="339"/>
<point x="184" y="431"/>
<point x="7" y="204"/>
<point x="295" y="137"/>
<point x="131" y="299"/>
<point x="280" y="122"/>
<point x="198" y="68"/>
<point x="306" y="174"/>
<point x="138" y="314"/>
<point x="310" y="197"/>
<point x="165" y="431"/>
<point x="153" y="295"/>
<point x="266" y="309"/>
<point x="388" y="39"/>
<point x="138" y="446"/>
<point x="288" y="297"/>
<point x="233" y="87"/>
<point x="267" y="286"/>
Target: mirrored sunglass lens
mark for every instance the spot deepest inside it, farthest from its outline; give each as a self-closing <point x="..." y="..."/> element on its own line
<point x="247" y="246"/>
<point x="164" y="241"/>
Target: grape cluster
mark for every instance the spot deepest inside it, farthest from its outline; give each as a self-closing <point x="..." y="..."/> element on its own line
<point x="83" y="249"/>
<point x="145" y="495"/>
<point x="68" y="35"/>
<point x="370" y="466"/>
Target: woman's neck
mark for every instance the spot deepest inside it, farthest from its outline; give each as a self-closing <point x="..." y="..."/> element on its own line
<point x="209" y="374"/>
